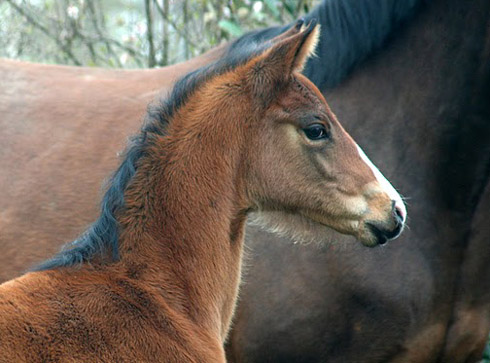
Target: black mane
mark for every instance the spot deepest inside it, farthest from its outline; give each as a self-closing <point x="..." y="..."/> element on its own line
<point x="351" y="30"/>
<point x="103" y="235"/>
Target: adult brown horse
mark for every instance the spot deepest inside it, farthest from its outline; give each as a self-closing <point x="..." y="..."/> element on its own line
<point x="65" y="126"/>
<point x="419" y="107"/>
<point x="155" y="278"/>
<point x="59" y="138"/>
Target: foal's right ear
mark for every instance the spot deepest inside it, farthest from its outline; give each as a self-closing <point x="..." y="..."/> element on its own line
<point x="288" y="53"/>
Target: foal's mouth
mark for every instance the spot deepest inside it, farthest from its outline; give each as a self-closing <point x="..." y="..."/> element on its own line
<point x="369" y="233"/>
<point x="351" y="226"/>
<point x="384" y="235"/>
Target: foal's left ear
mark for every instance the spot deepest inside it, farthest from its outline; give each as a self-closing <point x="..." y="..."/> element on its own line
<point x="287" y="54"/>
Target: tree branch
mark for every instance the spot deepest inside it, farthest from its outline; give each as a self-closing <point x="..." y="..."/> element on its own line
<point x="165" y="33"/>
<point x="95" y="23"/>
<point x="149" y="35"/>
<point x="63" y="46"/>
<point x="165" y="16"/>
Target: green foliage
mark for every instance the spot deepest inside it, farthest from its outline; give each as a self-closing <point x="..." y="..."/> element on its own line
<point x="231" y="27"/>
<point x="486" y="353"/>
<point x="272" y="6"/>
<point x="131" y="33"/>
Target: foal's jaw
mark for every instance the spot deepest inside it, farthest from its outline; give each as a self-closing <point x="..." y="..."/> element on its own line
<point x="367" y="218"/>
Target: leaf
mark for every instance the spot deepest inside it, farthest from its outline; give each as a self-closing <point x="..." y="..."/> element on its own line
<point x="290" y="7"/>
<point x="230" y="27"/>
<point x="271" y="4"/>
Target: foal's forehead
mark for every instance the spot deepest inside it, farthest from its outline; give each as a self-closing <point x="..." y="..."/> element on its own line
<point x="311" y="88"/>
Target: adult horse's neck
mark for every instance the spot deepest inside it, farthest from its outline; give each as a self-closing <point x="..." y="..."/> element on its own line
<point x="183" y="225"/>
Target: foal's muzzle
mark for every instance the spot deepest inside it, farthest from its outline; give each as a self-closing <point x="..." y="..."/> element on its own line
<point x="390" y="230"/>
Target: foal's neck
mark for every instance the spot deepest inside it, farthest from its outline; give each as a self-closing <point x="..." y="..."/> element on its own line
<point x="185" y="220"/>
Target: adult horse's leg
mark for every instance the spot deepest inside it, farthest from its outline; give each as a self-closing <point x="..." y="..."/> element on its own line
<point x="470" y="327"/>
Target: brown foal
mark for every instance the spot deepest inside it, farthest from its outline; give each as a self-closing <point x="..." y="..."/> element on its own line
<point x="156" y="277"/>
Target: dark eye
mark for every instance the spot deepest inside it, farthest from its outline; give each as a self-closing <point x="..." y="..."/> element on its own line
<point x="316" y="132"/>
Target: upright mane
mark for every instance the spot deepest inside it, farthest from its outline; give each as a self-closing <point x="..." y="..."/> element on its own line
<point x="351" y="31"/>
<point x="103" y="235"/>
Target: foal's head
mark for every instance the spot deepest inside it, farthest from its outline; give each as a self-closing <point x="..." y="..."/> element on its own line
<point x="301" y="161"/>
<point x="295" y="159"/>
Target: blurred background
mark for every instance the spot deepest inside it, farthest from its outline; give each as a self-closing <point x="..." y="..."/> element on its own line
<point x="131" y="33"/>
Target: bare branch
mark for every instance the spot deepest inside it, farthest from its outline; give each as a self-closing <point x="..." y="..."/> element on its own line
<point x="102" y="38"/>
<point x="185" y="11"/>
<point x="165" y="33"/>
<point x="177" y="29"/>
<point x="149" y="35"/>
<point x="95" y="23"/>
<point x="63" y="46"/>
<point x="298" y="8"/>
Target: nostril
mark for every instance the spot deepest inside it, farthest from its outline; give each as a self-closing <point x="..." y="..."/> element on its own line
<point x="382" y="234"/>
<point x="397" y="212"/>
<point x="379" y="233"/>
<point x="391" y="228"/>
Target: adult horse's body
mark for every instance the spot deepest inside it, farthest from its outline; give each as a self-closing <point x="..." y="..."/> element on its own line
<point x="423" y="304"/>
<point x="51" y="186"/>
<point x="155" y="277"/>
<point x="61" y="130"/>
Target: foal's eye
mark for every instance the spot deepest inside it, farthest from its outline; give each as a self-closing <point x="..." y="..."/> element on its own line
<point x="316" y="132"/>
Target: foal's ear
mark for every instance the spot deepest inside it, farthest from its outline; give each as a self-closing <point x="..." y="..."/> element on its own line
<point x="287" y="54"/>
